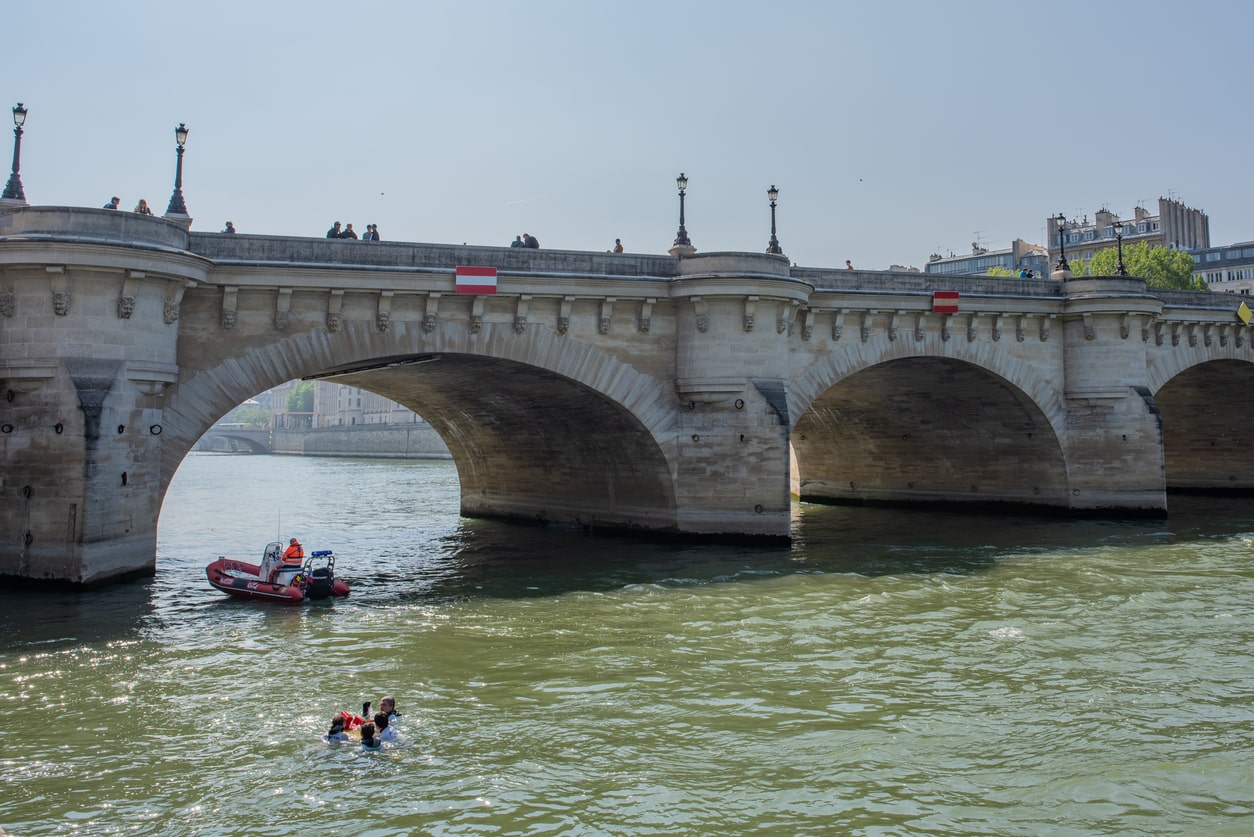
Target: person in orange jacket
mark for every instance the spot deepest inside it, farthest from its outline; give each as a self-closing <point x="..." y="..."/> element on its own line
<point x="294" y="554"/>
<point x="293" y="560"/>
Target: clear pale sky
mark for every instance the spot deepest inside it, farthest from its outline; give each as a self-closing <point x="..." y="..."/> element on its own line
<point x="892" y="129"/>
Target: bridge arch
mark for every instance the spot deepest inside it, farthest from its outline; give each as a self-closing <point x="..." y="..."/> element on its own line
<point x="1166" y="366"/>
<point x="255" y="440"/>
<point x="1205" y="419"/>
<point x="564" y="434"/>
<point x="966" y="424"/>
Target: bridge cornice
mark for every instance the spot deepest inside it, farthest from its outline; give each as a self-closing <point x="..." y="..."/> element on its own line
<point x="261" y="250"/>
<point x="99" y="239"/>
<point x="129" y="258"/>
<point x="103" y="225"/>
<point x="917" y="301"/>
<point x="428" y="281"/>
<point x="827" y="279"/>
<point x="1202" y="314"/>
<point x="713" y="285"/>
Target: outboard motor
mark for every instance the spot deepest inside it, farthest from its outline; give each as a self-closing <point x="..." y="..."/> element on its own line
<point x="320" y="583"/>
<point x="321" y="579"/>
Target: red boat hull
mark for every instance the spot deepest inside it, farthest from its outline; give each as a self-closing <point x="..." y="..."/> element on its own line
<point x="239" y="578"/>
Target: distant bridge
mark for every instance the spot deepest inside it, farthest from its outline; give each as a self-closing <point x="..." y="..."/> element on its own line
<point x="224" y="439"/>
<point x="667" y="394"/>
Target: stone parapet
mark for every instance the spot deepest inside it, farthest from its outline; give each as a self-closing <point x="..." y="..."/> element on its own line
<point x="104" y="225"/>
<point x="287" y="252"/>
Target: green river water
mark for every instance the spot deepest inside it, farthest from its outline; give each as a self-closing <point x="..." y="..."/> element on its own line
<point x="893" y="672"/>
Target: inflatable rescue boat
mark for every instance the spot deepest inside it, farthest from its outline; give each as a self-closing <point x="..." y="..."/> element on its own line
<point x="315" y="579"/>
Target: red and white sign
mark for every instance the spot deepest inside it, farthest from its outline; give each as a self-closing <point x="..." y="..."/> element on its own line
<point x="944" y="302"/>
<point x="476" y="280"/>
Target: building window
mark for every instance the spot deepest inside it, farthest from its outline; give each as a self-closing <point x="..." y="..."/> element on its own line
<point x="1213" y="257"/>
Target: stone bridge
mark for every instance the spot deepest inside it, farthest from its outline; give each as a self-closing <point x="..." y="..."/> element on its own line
<point x="664" y="394"/>
<point x="235" y="439"/>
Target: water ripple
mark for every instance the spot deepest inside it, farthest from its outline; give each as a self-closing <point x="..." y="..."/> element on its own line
<point x="882" y="677"/>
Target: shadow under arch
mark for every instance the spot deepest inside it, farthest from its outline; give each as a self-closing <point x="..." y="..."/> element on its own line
<point x="1205" y="420"/>
<point x="531" y="444"/>
<point x="541" y="432"/>
<point x="928" y="429"/>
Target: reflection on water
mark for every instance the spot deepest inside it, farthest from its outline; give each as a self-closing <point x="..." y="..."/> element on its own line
<point x="892" y="672"/>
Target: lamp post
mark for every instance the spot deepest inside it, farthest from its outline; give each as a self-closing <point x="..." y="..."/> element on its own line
<point x="13" y="189"/>
<point x="1119" y="268"/>
<point x="1062" y="243"/>
<point x="773" y="246"/>
<point x="177" y="207"/>
<point x="681" y="239"/>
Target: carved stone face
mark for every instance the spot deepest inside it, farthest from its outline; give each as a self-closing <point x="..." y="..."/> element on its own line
<point x="334" y="321"/>
<point x="228" y="318"/>
<point x="126" y="307"/>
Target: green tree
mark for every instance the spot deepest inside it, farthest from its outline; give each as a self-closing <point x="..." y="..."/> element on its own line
<point x="253" y="416"/>
<point x="1002" y="272"/>
<point x="1160" y="267"/>
<point x="300" y="399"/>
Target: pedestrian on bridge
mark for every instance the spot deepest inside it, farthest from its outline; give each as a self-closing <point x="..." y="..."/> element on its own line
<point x="334" y="232"/>
<point x="113" y="203"/>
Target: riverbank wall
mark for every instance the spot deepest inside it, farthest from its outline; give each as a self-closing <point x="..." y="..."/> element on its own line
<point x="381" y="441"/>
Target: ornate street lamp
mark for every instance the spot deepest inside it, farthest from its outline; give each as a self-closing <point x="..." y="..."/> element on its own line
<point x="177" y="207"/>
<point x="773" y="247"/>
<point x="1062" y="242"/>
<point x="13" y="189"/>
<point x="1119" y="269"/>
<point x="681" y="239"/>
